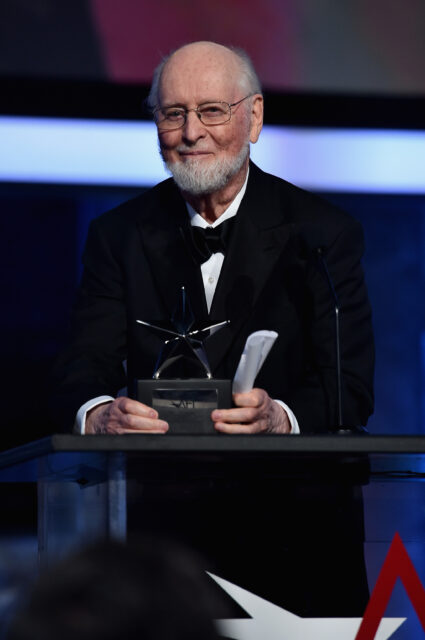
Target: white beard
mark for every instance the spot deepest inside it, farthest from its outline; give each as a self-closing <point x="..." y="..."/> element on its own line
<point x="198" y="178"/>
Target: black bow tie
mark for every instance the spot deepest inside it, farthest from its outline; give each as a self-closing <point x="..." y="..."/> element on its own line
<point x="211" y="240"/>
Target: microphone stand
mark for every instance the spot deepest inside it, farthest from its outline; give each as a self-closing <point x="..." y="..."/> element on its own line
<point x="341" y="428"/>
<point x="323" y="264"/>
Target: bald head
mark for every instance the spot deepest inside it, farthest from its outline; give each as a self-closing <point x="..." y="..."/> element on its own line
<point x="199" y="60"/>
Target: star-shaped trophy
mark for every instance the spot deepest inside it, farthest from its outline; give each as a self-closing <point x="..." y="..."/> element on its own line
<point x="188" y="393"/>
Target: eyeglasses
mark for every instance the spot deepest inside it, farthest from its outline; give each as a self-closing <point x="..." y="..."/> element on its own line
<point x="209" y="113"/>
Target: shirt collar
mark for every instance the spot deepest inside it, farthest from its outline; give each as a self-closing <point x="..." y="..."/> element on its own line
<point x="198" y="221"/>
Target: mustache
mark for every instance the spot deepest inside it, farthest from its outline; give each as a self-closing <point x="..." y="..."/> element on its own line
<point x="186" y="149"/>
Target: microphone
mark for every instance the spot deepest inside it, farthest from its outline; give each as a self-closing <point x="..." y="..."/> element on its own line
<point x="313" y="239"/>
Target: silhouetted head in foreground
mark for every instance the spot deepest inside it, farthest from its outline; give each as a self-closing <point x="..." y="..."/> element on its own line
<point x="146" y="591"/>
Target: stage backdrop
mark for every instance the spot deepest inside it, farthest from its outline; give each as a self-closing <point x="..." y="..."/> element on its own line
<point x="301" y="45"/>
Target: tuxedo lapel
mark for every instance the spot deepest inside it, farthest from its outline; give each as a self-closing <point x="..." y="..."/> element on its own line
<point x="259" y="237"/>
<point x="165" y="236"/>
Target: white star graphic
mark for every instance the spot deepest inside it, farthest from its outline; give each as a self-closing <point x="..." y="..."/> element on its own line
<point x="270" y="622"/>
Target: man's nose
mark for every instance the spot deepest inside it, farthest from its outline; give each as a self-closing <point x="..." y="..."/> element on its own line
<point x="193" y="128"/>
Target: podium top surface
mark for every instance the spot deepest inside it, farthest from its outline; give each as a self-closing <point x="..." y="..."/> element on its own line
<point x="235" y="445"/>
<point x="396" y="457"/>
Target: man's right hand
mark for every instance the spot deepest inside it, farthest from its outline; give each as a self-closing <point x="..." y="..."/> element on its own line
<point x="124" y="415"/>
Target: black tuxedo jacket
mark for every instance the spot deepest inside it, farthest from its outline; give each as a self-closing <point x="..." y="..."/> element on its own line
<point x="138" y="256"/>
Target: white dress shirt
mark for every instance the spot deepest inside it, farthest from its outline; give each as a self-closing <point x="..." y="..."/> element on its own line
<point x="210" y="274"/>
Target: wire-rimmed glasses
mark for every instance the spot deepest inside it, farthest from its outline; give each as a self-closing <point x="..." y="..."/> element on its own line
<point x="209" y="113"/>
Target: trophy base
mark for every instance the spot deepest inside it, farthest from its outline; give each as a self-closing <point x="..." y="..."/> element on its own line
<point x="186" y="404"/>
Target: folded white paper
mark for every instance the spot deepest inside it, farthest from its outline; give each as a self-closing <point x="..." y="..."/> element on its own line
<point x="256" y="350"/>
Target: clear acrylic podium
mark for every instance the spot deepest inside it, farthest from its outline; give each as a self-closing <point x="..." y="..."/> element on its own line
<point x="82" y="484"/>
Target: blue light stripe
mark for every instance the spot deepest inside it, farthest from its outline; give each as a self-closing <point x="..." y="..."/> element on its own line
<point x="69" y="151"/>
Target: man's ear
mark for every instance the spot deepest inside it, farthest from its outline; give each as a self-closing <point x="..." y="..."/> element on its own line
<point x="256" y="117"/>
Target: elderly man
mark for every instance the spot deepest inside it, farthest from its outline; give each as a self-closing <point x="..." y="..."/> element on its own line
<point x="208" y="107"/>
<point x="260" y="273"/>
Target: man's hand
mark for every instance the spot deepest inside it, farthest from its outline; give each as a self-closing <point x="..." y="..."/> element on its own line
<point x="124" y="415"/>
<point x="255" y="412"/>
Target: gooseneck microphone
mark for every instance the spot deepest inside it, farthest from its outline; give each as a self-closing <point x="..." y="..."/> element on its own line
<point x="313" y="240"/>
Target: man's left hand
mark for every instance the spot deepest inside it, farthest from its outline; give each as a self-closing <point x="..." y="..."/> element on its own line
<point x="255" y="412"/>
